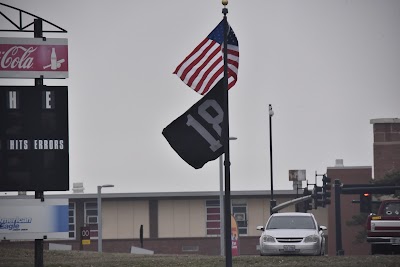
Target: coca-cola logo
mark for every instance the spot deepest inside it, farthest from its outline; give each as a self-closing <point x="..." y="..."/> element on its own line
<point x="17" y="57"/>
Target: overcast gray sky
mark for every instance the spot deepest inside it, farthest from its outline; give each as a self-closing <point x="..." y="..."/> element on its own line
<point x="327" y="68"/>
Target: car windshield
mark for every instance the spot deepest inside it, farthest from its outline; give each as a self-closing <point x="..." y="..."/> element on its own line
<point x="291" y="222"/>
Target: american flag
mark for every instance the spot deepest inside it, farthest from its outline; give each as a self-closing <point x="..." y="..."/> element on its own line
<point x="204" y="67"/>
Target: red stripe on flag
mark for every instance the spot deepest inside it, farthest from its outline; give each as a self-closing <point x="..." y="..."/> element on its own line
<point x="212" y="80"/>
<point x="205" y="66"/>
<point x="234" y="63"/>
<point x="232" y="74"/>
<point x="233" y="52"/>
<point x="211" y="68"/>
<point x="190" y="55"/>
<point x="232" y="83"/>
<point x="194" y="62"/>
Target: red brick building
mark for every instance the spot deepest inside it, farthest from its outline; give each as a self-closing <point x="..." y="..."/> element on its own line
<point x="347" y="175"/>
<point x="386" y="149"/>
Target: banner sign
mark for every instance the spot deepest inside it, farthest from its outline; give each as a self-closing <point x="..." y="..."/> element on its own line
<point x="34" y="138"/>
<point x="27" y="219"/>
<point x="33" y="57"/>
<point x="196" y="135"/>
<point x="234" y="237"/>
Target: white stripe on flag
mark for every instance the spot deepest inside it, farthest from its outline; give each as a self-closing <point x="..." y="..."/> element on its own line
<point x="193" y="58"/>
<point x="203" y="72"/>
<point x="198" y="64"/>
<point x="210" y="75"/>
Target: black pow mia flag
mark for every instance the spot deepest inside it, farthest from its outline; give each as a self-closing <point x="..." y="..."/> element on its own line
<point x="197" y="134"/>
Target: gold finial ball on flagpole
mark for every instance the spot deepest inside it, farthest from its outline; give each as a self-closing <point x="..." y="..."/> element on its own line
<point x="224" y="2"/>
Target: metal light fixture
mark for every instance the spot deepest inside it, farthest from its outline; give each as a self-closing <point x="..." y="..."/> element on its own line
<point x="100" y="219"/>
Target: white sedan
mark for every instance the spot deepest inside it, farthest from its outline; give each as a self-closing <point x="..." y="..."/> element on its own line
<point x="292" y="233"/>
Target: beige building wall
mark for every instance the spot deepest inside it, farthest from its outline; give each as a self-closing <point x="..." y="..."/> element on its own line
<point x="165" y="218"/>
<point x="257" y="214"/>
<point x="197" y="218"/>
<point x="122" y="219"/>
<point x="181" y="218"/>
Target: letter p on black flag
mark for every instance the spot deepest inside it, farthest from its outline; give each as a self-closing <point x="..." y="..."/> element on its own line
<point x="196" y="134"/>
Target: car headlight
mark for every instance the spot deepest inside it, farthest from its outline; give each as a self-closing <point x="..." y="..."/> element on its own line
<point x="268" y="238"/>
<point x="311" y="239"/>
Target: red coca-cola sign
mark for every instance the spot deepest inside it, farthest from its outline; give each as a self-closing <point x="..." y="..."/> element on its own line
<point x="33" y="57"/>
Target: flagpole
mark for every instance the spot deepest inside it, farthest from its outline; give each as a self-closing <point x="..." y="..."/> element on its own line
<point x="228" y="226"/>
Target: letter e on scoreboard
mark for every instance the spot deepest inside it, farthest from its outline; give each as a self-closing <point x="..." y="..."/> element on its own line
<point x="48" y="100"/>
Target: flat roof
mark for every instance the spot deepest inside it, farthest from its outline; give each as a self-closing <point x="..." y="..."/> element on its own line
<point x="385" y="120"/>
<point x="155" y="195"/>
<point x="349" y="167"/>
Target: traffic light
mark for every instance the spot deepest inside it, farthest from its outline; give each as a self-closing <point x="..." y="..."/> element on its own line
<point x="308" y="203"/>
<point x="326" y="190"/>
<point x="317" y="197"/>
<point x="365" y="202"/>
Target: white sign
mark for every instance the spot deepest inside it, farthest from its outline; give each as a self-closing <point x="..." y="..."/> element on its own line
<point x="297" y="175"/>
<point x="27" y="219"/>
<point x="33" y="57"/>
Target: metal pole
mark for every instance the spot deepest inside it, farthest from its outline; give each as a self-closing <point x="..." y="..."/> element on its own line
<point x="39" y="242"/>
<point x="297" y="190"/>
<point x="141" y="235"/>
<point x="38" y="252"/>
<point x="221" y="205"/>
<point x="272" y="201"/>
<point x="338" y="219"/>
<point x="38" y="33"/>
<point x="100" y="218"/>
<point x="227" y="163"/>
<point x="221" y="202"/>
<point x="38" y="28"/>
<point x="100" y="223"/>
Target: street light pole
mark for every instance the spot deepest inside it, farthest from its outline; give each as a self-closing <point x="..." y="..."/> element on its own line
<point x="272" y="202"/>
<point x="100" y="218"/>
<point x="221" y="202"/>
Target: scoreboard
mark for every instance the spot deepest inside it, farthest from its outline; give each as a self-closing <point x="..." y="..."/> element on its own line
<point x="34" y="148"/>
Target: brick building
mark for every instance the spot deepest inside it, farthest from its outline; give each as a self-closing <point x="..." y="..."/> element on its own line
<point x="386" y="149"/>
<point x="347" y="175"/>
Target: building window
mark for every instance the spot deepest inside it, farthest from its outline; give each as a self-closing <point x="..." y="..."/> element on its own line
<point x="71" y="220"/>
<point x="213" y="218"/>
<point x="239" y="210"/>
<point x="91" y="218"/>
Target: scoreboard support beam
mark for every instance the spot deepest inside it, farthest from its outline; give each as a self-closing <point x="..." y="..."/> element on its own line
<point x="39" y="242"/>
<point x="38" y="252"/>
<point x="38" y="33"/>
